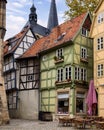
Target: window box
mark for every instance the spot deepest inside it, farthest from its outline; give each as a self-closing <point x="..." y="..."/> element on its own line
<point x="63" y="82"/>
<point x="84" y="60"/>
<point x="80" y="82"/>
<point x="58" y="59"/>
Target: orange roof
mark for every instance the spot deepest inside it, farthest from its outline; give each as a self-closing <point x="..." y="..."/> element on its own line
<point x="17" y="38"/>
<point x="59" y="35"/>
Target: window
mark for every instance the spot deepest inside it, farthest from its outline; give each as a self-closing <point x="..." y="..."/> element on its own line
<point x="100" y="70"/>
<point x="100" y="43"/>
<point x="59" y="53"/>
<point x="68" y="73"/>
<point x="83" y="74"/>
<point x="84" y="32"/>
<point x="60" y="74"/>
<point x="30" y="77"/>
<point x="80" y="74"/>
<point x="100" y="18"/>
<point x="83" y="52"/>
<point x="80" y="102"/>
<point x="63" y="103"/>
<point x="8" y="63"/>
<point x="23" y="63"/>
<point x="77" y="73"/>
<point x="44" y="57"/>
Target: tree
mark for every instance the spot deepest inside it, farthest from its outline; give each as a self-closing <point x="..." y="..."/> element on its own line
<point x="77" y="7"/>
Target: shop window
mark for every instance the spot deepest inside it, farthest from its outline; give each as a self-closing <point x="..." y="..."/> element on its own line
<point x="63" y="103"/>
<point x="80" y="103"/>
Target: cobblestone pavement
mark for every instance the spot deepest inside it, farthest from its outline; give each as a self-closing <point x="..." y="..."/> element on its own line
<point x="17" y="124"/>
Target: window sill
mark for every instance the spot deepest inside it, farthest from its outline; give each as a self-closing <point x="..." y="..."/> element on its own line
<point x="62" y="82"/>
<point x="84" y="60"/>
<point x="59" y="61"/>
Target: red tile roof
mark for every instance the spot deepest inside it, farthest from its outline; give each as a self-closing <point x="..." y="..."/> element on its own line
<point x="59" y="35"/>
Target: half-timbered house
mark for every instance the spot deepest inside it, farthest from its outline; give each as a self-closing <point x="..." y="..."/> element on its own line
<point x="13" y="48"/>
<point x="66" y="67"/>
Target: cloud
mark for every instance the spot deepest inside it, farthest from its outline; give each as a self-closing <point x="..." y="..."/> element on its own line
<point x="17" y="5"/>
<point x="15" y="24"/>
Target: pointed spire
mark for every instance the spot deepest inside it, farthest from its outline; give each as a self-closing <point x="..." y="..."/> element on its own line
<point x="33" y="15"/>
<point x="53" y="19"/>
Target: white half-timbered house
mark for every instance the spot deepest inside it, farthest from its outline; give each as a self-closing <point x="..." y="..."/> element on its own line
<point x="22" y="67"/>
<point x="14" y="48"/>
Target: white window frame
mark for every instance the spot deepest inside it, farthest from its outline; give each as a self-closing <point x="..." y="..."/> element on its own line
<point x="68" y="72"/>
<point x="60" y="74"/>
<point x="100" y="42"/>
<point x="83" y="52"/>
<point x="80" y="73"/>
<point x="100" y="69"/>
<point x="83" y="73"/>
<point x="59" y="53"/>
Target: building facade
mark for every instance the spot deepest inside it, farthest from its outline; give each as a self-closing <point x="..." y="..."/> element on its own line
<point x="97" y="33"/>
<point x="66" y="67"/>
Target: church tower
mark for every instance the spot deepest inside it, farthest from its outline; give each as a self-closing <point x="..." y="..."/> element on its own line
<point x="33" y="15"/>
<point x="4" y="116"/>
<point x="53" y="19"/>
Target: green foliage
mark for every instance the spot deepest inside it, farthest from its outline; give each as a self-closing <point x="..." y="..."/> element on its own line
<point x="77" y="7"/>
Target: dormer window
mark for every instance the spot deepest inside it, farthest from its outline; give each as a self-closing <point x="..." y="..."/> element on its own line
<point x="84" y="32"/>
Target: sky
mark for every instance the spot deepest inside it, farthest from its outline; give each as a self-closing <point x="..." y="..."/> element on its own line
<point x="18" y="11"/>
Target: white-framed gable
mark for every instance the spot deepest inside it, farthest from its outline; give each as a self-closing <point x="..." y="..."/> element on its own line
<point x="26" y="42"/>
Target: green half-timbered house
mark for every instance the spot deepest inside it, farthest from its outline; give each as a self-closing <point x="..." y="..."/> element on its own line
<point x="66" y="67"/>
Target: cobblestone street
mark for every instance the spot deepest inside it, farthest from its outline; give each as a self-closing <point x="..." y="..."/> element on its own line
<point x="17" y="124"/>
